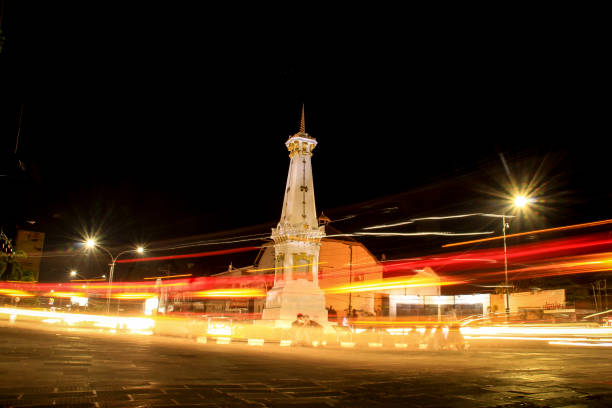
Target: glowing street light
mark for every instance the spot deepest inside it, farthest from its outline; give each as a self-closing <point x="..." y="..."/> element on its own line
<point x="75" y="274"/>
<point x="521" y="201"/>
<point x="91" y="243"/>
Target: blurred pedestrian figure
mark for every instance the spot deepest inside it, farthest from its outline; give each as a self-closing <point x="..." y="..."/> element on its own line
<point x="313" y="330"/>
<point x="413" y="338"/>
<point x="438" y="341"/>
<point x="332" y="315"/>
<point x="311" y="323"/>
<point x="455" y="339"/>
<point x="298" y="327"/>
<point x="426" y="338"/>
<point x="299" y="321"/>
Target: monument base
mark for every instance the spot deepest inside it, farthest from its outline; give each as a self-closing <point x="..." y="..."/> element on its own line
<point x="277" y="323"/>
<point x="288" y="298"/>
<point x="328" y="327"/>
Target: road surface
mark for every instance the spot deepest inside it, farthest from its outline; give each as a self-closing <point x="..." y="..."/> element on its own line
<point x="80" y="368"/>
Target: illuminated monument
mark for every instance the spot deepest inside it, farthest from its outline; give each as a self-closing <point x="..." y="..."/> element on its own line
<point x="297" y="240"/>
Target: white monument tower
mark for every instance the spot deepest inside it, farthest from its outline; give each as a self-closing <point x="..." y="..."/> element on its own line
<point x="297" y="240"/>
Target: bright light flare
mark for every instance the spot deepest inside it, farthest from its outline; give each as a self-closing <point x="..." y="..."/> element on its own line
<point x="521" y="201"/>
<point x="90" y="243"/>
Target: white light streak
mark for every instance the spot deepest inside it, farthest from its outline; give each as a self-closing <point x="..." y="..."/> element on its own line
<point x="447" y="217"/>
<point x="569" y="343"/>
<point x="526" y="331"/>
<point x="407" y="234"/>
<point x="597" y="314"/>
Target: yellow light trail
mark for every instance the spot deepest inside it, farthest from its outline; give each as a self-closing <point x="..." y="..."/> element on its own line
<point x="570" y="343"/>
<point x="136" y="324"/>
<point x="65" y="294"/>
<point x="403" y="322"/>
<point x="230" y="293"/>
<point x="283" y="267"/>
<point x="15" y="293"/>
<point x="88" y="280"/>
<point x="133" y="295"/>
<point x="390" y="284"/>
<point x="518" y="234"/>
<point x="600" y="264"/>
<point x="119" y="286"/>
<point x="169" y="276"/>
<point x="12" y="281"/>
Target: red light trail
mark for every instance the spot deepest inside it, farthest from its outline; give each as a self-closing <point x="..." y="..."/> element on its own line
<point x="196" y="255"/>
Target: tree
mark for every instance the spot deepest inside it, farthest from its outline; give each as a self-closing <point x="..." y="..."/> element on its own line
<point x="11" y="268"/>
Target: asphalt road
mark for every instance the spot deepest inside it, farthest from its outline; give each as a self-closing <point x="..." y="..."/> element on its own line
<point x="87" y="369"/>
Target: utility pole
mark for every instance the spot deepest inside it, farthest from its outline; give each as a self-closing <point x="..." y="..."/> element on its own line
<point x="350" y="278"/>
<point x="595" y="297"/>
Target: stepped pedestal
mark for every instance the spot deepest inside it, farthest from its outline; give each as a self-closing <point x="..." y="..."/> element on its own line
<point x="284" y="302"/>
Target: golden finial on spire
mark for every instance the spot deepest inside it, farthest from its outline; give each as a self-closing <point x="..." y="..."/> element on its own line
<point x="302" y="132"/>
<point x="302" y="122"/>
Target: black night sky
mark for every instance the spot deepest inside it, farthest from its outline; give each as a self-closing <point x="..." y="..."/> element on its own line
<point x="152" y="123"/>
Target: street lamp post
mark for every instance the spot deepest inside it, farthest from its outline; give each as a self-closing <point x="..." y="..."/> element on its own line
<point x="504" y="226"/>
<point x="350" y="279"/>
<point x="92" y="244"/>
<point x="519" y="202"/>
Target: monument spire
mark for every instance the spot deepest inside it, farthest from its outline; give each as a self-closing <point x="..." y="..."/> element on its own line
<point x="302" y="122"/>
<point x="302" y="132"/>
